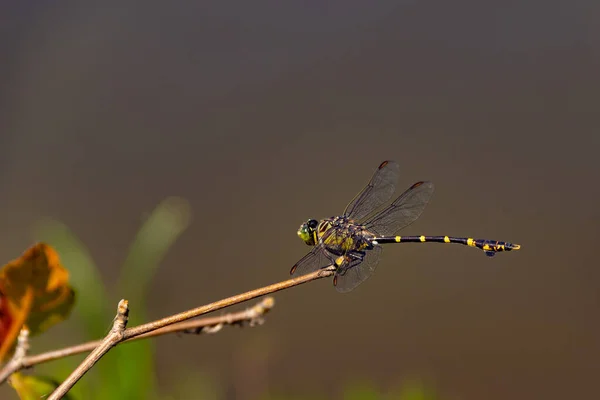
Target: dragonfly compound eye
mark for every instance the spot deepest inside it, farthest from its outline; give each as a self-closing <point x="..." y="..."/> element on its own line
<point x="313" y="223"/>
<point x="306" y="234"/>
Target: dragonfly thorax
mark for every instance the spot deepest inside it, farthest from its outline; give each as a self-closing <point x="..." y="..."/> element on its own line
<point x="338" y="235"/>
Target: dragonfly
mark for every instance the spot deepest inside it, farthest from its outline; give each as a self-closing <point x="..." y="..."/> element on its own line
<point x="352" y="241"/>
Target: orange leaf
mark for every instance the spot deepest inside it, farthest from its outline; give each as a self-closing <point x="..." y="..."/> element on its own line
<point x="6" y="317"/>
<point x="36" y="287"/>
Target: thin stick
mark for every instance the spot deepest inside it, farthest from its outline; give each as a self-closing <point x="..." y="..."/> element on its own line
<point x="251" y="315"/>
<point x="114" y="336"/>
<point x="20" y="352"/>
<point x="112" y="340"/>
<point x="217" y="305"/>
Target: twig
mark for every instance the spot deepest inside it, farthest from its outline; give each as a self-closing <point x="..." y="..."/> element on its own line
<point x="114" y="336"/>
<point x="20" y="352"/>
<point x="22" y="344"/>
<point x="252" y="316"/>
<point x="111" y="340"/>
<point x="217" y="305"/>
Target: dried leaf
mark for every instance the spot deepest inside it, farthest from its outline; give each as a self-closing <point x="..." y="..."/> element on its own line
<point x="36" y="287"/>
<point x="6" y="317"/>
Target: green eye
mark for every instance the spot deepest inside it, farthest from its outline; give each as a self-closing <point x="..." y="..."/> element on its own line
<point x="306" y="234"/>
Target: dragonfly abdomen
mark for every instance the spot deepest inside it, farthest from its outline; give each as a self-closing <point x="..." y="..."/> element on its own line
<point x="490" y="247"/>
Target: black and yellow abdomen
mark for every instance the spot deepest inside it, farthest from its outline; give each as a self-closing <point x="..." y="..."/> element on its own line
<point x="490" y="247"/>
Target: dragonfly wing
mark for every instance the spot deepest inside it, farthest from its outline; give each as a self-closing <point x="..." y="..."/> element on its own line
<point x="351" y="274"/>
<point x="378" y="191"/>
<point x="316" y="259"/>
<point x="403" y="211"/>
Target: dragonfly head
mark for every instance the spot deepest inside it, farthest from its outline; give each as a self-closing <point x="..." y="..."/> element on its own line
<point x="308" y="232"/>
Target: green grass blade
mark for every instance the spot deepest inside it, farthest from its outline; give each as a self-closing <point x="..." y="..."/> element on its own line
<point x="165" y="224"/>
<point x="158" y="233"/>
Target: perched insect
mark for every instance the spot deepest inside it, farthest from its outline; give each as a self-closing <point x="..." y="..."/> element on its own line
<point x="352" y="242"/>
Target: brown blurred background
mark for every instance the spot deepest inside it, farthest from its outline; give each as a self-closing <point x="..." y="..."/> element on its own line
<point x="265" y="114"/>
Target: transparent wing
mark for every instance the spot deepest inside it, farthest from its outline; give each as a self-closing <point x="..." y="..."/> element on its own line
<point x="378" y="191"/>
<point x="316" y="259"/>
<point x="349" y="276"/>
<point x="402" y="212"/>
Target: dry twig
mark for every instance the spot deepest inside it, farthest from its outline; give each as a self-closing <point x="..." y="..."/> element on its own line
<point x="251" y="316"/>
<point x="121" y="335"/>
<point x="217" y="305"/>
<point x="20" y="354"/>
<point x="114" y="336"/>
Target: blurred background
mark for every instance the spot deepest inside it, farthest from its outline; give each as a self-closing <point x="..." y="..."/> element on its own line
<point x="257" y="116"/>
